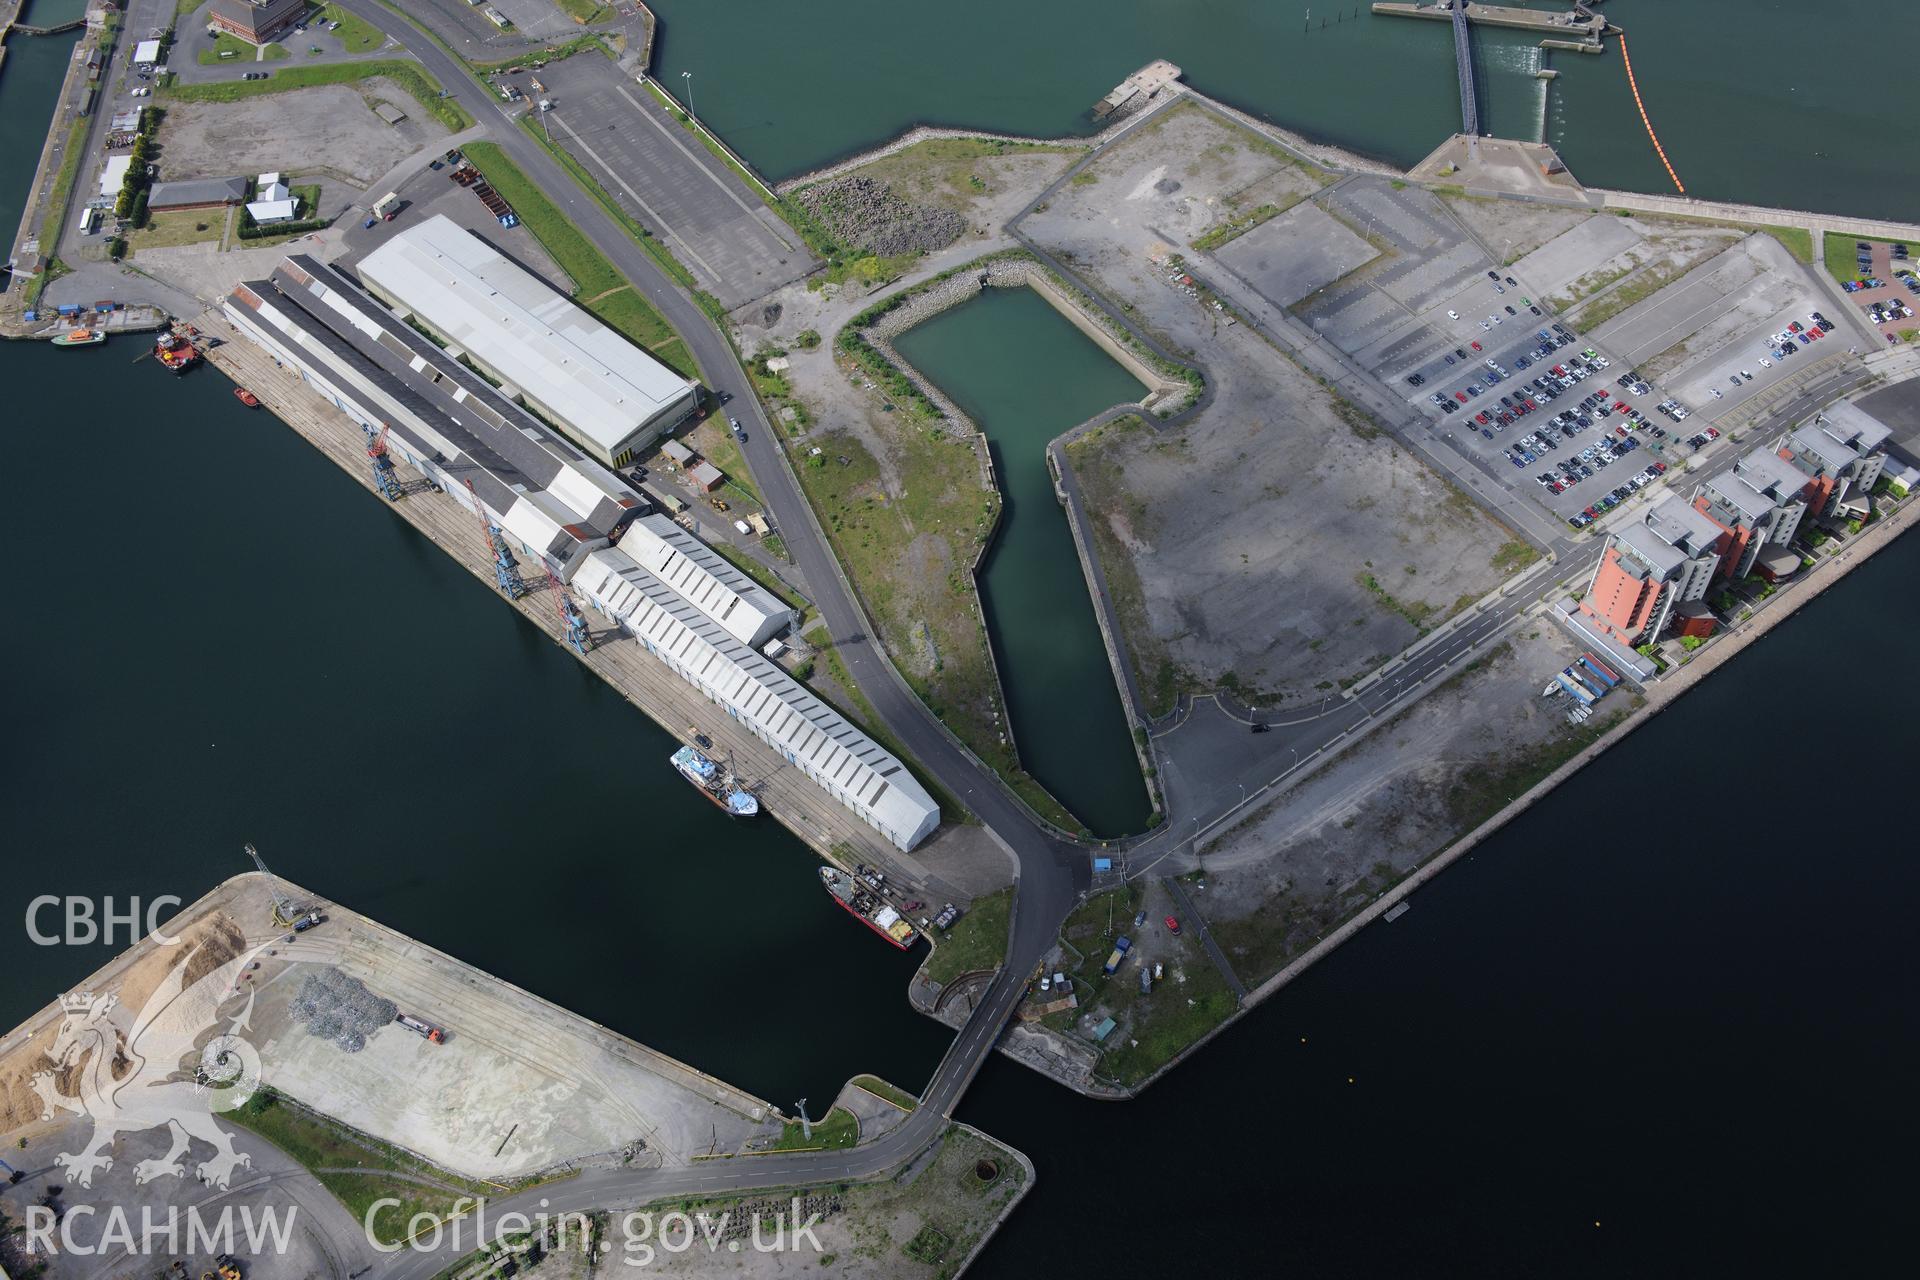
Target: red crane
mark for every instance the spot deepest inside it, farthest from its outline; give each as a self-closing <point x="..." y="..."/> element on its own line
<point x="506" y="570"/>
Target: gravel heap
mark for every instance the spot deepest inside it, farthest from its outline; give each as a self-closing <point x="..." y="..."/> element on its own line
<point x="336" y="1007"/>
<point x="868" y="215"/>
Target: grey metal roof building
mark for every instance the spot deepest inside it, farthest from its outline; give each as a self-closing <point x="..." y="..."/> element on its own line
<point x="814" y="738"/>
<point x="443" y="418"/>
<point x="196" y="193"/>
<point x="748" y="611"/>
<point x="609" y="396"/>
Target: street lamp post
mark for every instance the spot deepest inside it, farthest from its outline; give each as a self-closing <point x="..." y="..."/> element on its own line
<point x="688" y="77"/>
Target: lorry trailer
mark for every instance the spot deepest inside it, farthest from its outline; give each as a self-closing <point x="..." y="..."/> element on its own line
<point x="427" y="1029"/>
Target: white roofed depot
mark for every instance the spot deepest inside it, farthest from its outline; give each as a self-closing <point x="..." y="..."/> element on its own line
<point x="610" y="397"/>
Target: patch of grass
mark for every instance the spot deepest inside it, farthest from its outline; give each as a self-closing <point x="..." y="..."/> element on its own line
<point x="835" y="1131"/>
<point x="1512" y="556"/>
<point x="235" y="49"/>
<point x="1041" y="801"/>
<point x="1416" y="612"/>
<point x="1638" y="289"/>
<point x="892" y="1093"/>
<point x="1237" y="226"/>
<point x="908" y="556"/>
<point x="613" y="299"/>
<point x="1798" y="240"/>
<point x="1840" y="254"/>
<point x="758" y="572"/>
<point x="947" y="172"/>
<point x="1166" y="1021"/>
<point x="356" y="34"/>
<point x="376" y="1170"/>
<point x="978" y="940"/>
<point x="1095" y="461"/>
<point x="584" y="11"/>
<point x="424" y="88"/>
<point x="1477" y="794"/>
<point x="178" y="227"/>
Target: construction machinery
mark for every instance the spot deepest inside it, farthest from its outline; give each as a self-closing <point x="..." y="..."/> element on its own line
<point x="572" y="621"/>
<point x="384" y="478"/>
<point x="506" y="570"/>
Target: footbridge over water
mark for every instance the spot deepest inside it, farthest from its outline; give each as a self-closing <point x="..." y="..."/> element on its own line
<point x="1463" y="58"/>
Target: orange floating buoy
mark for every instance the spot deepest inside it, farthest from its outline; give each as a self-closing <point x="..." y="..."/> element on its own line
<point x="1633" y="85"/>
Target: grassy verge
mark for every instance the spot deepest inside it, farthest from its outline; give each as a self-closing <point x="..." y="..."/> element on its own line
<point x="358" y="1170"/>
<point x="892" y="1093"/>
<point x="60" y="201"/>
<point x="978" y="940"/>
<point x="804" y="225"/>
<point x="425" y="89"/>
<point x="758" y="572"/>
<point x="1478" y="794"/>
<point x="908" y="556"/>
<point x="1103" y="489"/>
<point x="655" y="248"/>
<point x="356" y="34"/>
<point x="1840" y="254"/>
<point x="836" y="1131"/>
<point x="869" y="722"/>
<point x="597" y="287"/>
<point x="579" y="44"/>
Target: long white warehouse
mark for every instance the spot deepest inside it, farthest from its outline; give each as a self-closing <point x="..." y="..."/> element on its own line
<point x="442" y="417"/>
<point x="611" y="398"/>
<point x="748" y="611"/>
<point x="815" y="739"/>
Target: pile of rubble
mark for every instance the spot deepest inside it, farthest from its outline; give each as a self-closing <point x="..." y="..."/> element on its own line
<point x="339" y="1008"/>
<point x="869" y="216"/>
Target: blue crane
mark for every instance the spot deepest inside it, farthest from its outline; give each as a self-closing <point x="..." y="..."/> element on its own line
<point x="384" y="478"/>
<point x="506" y="570"/>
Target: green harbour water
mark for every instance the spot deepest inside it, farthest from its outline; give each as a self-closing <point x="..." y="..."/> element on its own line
<point x="1685" y="1052"/>
<point x="1757" y="101"/>
<point x="1025" y="374"/>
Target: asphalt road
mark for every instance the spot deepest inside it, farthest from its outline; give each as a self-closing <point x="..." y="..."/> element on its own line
<point x="1049" y="874"/>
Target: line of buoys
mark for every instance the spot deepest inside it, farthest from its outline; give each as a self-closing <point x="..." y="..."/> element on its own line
<point x="1659" y="150"/>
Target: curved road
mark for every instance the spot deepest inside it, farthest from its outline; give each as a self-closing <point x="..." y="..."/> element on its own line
<point x="1049" y="874"/>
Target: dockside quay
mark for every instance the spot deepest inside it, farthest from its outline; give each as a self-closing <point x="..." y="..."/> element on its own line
<point x="701" y="617"/>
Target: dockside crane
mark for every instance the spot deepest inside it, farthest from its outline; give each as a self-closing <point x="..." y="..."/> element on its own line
<point x="506" y="570"/>
<point x="572" y="621"/>
<point x="384" y="478"/>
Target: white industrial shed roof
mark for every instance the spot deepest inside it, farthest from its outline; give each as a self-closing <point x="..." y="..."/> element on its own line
<point x="596" y="382"/>
<point x="114" y="174"/>
<point x="814" y="737"/>
<point x="749" y="612"/>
